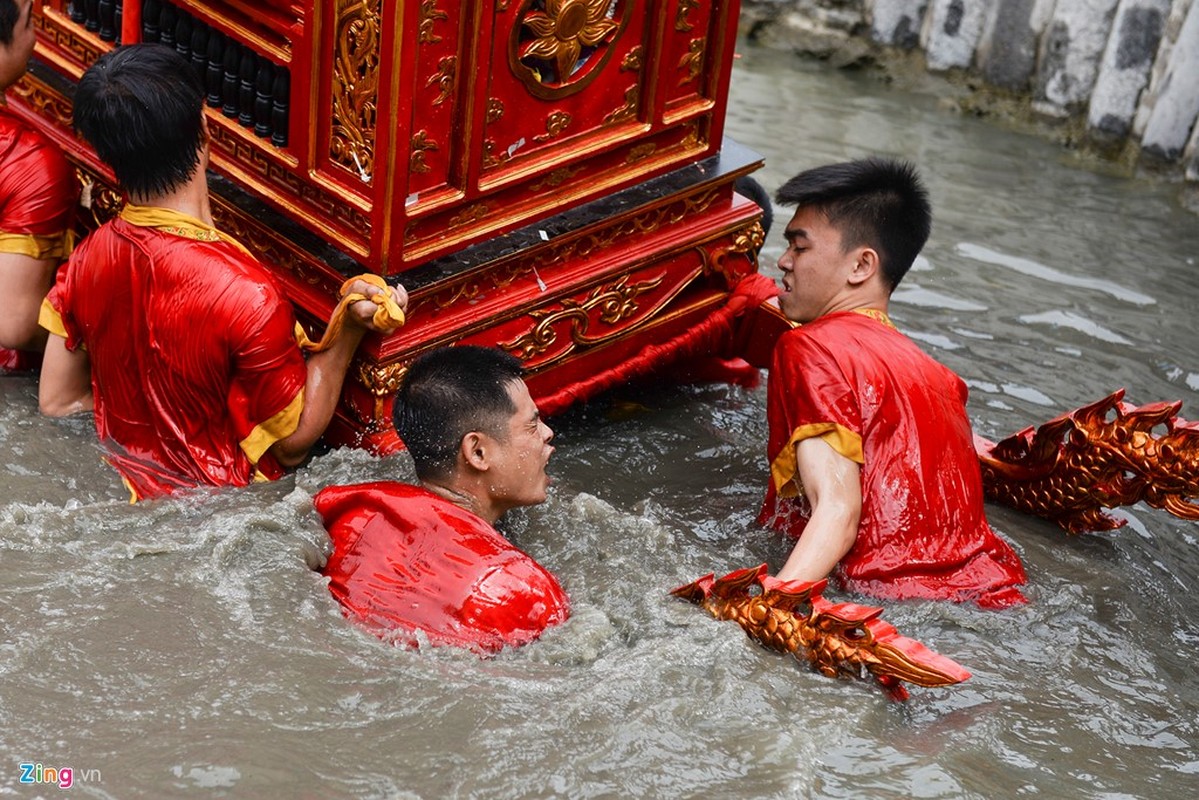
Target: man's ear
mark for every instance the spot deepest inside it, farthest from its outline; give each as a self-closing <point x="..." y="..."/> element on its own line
<point x="866" y="266"/>
<point x="473" y="450"/>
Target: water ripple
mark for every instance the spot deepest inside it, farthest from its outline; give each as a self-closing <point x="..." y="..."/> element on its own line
<point x="1034" y="269"/>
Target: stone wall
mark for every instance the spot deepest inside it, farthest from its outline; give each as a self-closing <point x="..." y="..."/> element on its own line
<point x="1126" y="71"/>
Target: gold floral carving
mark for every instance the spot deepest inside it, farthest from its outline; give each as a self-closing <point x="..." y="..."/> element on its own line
<point x="564" y="29"/>
<point x="632" y="97"/>
<point x="614" y="304"/>
<point x="420" y="144"/>
<point x="693" y="62"/>
<point x="633" y="60"/>
<point x="447" y="71"/>
<point x="495" y="110"/>
<point x="429" y="17"/>
<point x="681" y="22"/>
<point x="356" y="85"/>
<point x="555" y="124"/>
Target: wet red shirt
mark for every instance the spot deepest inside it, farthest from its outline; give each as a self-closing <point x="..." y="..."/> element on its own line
<point x="38" y="196"/>
<point x="195" y="366"/>
<point x="875" y="397"/>
<point x="405" y="560"/>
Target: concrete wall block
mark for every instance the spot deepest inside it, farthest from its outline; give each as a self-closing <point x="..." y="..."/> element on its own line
<point x="898" y="22"/>
<point x="1127" y="61"/>
<point x="951" y="31"/>
<point x="1007" y="49"/>
<point x="1176" y="104"/>
<point x="1071" y="50"/>
<point x="1174" y="22"/>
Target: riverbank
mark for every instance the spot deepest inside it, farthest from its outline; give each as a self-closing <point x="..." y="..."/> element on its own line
<point x="1115" y="81"/>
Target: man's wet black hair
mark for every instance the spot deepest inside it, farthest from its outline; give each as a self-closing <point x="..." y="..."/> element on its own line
<point x="10" y="12"/>
<point x="873" y="202"/>
<point x="140" y="107"/>
<point x="448" y="393"/>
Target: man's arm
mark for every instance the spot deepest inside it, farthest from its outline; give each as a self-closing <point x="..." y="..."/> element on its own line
<point x="326" y="375"/>
<point x="832" y="484"/>
<point x="65" y="385"/>
<point x="24" y="281"/>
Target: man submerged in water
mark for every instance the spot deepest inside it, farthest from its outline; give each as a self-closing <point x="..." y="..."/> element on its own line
<point x="427" y="558"/>
<point x="872" y="460"/>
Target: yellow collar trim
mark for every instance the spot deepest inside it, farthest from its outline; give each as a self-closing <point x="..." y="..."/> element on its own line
<point x="877" y="315"/>
<point x="177" y="224"/>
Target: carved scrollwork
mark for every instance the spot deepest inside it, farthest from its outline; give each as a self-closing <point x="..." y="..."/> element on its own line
<point x="555" y="124"/>
<point x="355" y="85"/>
<point x="693" y="62"/>
<point x="447" y="72"/>
<point x="430" y="15"/>
<point x="610" y="305"/>
<point x="626" y="111"/>
<point x="633" y="59"/>
<point x="420" y="144"/>
<point x="495" y="110"/>
<point x="681" y="23"/>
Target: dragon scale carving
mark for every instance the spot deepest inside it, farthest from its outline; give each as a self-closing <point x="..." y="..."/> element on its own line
<point x="843" y="640"/>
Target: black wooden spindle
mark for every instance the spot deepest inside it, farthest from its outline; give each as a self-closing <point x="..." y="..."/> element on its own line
<point x="245" y="87"/>
<point x="263" y="85"/>
<point x="279" y="106"/>
<point x="183" y="36"/>
<point x="166" y="25"/>
<point x="229" y="81"/>
<point x="106" y="11"/>
<point x="199" y="48"/>
<point x="91" y="10"/>
<point x="151" y="12"/>
<point x="214" y="75"/>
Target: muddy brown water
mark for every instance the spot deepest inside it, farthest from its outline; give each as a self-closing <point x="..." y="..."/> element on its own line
<point x="185" y="649"/>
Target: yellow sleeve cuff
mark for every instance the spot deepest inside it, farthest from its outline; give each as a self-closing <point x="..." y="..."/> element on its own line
<point x="54" y="245"/>
<point x="280" y="426"/>
<point x="49" y="318"/>
<point x="784" y="471"/>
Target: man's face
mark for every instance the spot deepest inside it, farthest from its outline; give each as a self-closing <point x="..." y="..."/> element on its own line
<point x="815" y="267"/>
<point x="517" y="475"/>
<point x="14" y="57"/>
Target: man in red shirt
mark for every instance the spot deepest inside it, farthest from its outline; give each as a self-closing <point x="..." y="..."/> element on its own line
<point x="38" y="195"/>
<point x="872" y="462"/>
<point x="428" y="558"/>
<point x="178" y="337"/>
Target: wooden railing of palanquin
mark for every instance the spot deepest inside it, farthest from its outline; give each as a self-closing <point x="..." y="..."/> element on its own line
<point x="407" y="137"/>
